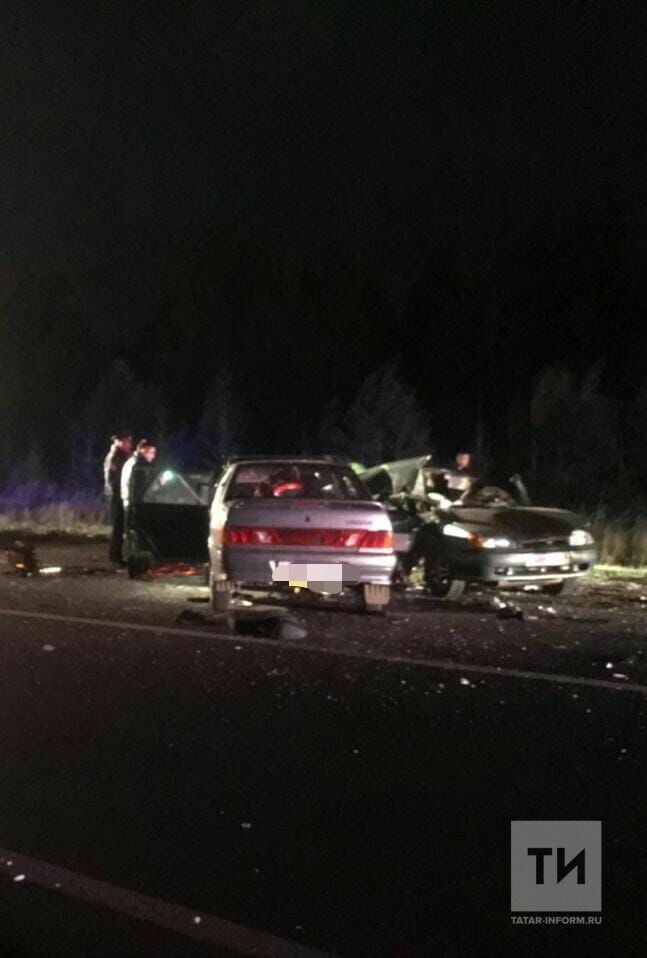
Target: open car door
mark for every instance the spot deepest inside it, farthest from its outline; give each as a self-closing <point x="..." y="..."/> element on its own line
<point x="167" y="521"/>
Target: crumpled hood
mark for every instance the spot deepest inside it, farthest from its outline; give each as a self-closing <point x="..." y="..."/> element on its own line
<point x="519" y="523"/>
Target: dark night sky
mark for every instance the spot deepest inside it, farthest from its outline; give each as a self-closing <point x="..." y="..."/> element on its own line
<point x="384" y="130"/>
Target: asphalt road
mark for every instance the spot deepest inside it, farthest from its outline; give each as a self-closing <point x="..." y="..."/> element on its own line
<point x="351" y="791"/>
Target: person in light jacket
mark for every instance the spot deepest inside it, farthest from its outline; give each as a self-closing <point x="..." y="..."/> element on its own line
<point x="144" y="455"/>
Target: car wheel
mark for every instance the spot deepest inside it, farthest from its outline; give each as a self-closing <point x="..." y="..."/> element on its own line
<point x="375" y="598"/>
<point x="439" y="578"/>
<point x="565" y="587"/>
<point x="220" y="595"/>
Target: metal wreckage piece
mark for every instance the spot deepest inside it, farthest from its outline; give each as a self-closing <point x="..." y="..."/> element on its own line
<point x="21" y="557"/>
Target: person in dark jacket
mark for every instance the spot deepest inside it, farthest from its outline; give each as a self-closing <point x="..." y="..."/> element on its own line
<point x="120" y="450"/>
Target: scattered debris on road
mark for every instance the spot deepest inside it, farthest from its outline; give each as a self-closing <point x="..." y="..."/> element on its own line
<point x="21" y="557"/>
<point x="507" y="610"/>
<point x="188" y="615"/>
<point x="270" y="622"/>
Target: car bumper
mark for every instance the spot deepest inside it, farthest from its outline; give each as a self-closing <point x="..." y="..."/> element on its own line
<point x="514" y="566"/>
<point x="251" y="566"/>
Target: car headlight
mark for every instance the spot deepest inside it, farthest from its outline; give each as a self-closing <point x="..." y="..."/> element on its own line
<point x="580" y="537"/>
<point x="492" y="542"/>
<point x="456" y="532"/>
<point x="479" y="542"/>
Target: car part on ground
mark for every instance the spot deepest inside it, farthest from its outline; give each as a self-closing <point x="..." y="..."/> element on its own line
<point x="564" y="587"/>
<point x="21" y="557"/>
<point x="269" y="622"/>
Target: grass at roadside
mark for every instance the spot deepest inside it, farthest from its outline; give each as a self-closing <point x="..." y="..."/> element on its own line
<point x="79" y="532"/>
<point x="603" y="571"/>
<point x="39" y="511"/>
<point x="621" y="540"/>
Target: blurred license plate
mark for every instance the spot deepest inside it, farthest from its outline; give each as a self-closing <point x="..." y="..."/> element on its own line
<point x="536" y="560"/>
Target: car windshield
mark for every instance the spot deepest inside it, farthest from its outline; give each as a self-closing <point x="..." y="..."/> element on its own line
<point x="295" y="480"/>
<point x="447" y="483"/>
<point x="460" y="488"/>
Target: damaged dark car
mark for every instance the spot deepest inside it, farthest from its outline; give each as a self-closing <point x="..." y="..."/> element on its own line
<point x="454" y="529"/>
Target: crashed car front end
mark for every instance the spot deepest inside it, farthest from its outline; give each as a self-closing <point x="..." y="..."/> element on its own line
<point x="457" y="529"/>
<point x="501" y="558"/>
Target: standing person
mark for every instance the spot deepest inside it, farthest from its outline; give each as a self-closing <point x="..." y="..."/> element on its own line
<point x="464" y="462"/>
<point x="121" y="448"/>
<point x="144" y="455"/>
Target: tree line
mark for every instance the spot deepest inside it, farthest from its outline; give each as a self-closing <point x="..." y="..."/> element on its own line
<point x="245" y="349"/>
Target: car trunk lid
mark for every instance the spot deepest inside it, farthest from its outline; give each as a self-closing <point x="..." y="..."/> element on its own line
<point x="308" y="524"/>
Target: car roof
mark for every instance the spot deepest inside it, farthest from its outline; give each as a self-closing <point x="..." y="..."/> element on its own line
<point x="311" y="460"/>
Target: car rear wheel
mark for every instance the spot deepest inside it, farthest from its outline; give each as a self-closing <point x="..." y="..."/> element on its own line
<point x="440" y="581"/>
<point x="565" y="587"/>
<point x="220" y="595"/>
<point x="375" y="598"/>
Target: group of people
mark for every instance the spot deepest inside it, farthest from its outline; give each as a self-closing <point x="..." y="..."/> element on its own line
<point x="119" y="466"/>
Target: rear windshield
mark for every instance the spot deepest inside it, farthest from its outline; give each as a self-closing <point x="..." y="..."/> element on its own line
<point x="294" y="480"/>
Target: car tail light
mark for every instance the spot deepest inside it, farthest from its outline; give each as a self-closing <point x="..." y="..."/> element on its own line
<point x="377" y="540"/>
<point x="249" y="537"/>
<point x="309" y="538"/>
